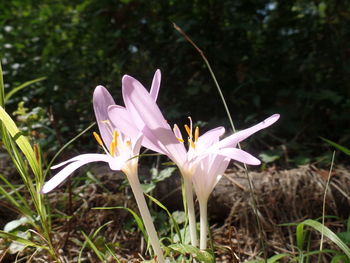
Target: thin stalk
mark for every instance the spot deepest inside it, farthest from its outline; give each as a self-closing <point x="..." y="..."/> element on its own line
<point x="146" y="216"/>
<point x="324" y="203"/>
<point x="203" y="208"/>
<point x="190" y="210"/>
<point x="250" y="183"/>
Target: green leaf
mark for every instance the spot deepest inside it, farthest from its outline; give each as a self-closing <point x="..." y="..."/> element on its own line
<point x="94" y="248"/>
<point x="22" y="141"/>
<point x="164" y="174"/>
<point x="18" y="239"/>
<point x="345" y="236"/>
<point x="87" y="240"/>
<point x="272" y="259"/>
<point x="300" y="234"/>
<point x="338" y="146"/>
<point x="138" y="220"/>
<point x="269" y="156"/>
<point x="176" y="226"/>
<point x="196" y="253"/>
<point x="147" y="188"/>
<point x="20" y="87"/>
<point x="328" y="233"/>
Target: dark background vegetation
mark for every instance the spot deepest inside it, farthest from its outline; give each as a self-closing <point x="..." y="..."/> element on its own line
<point x="290" y="57"/>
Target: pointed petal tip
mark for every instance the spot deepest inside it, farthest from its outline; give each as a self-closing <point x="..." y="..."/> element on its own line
<point x="127" y="78"/>
<point x="45" y="189"/>
<point x="101" y="91"/>
<point x="255" y="162"/>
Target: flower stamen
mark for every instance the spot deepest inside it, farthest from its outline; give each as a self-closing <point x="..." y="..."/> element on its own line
<point x="196" y="134"/>
<point x="98" y="138"/>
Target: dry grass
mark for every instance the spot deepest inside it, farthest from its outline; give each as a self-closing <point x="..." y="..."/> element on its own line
<point x="283" y="196"/>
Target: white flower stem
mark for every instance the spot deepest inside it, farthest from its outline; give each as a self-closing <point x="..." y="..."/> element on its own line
<point x="203" y="208"/>
<point x="190" y="210"/>
<point x="146" y="216"/>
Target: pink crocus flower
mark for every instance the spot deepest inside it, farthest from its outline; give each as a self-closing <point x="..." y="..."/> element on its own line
<point x="118" y="148"/>
<point x="121" y="151"/>
<point x="160" y="137"/>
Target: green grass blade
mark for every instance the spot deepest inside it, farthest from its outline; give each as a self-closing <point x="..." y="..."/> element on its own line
<point x="93" y="236"/>
<point x="15" y="191"/>
<point x="94" y="248"/>
<point x="65" y="146"/>
<point x="177" y="229"/>
<point x="340" y="259"/>
<point x="337" y="146"/>
<point x="275" y="258"/>
<point x="112" y="253"/>
<point x="20" y="87"/>
<point x="2" y="91"/>
<point x="138" y="220"/>
<point x="328" y="233"/>
<point x="300" y="234"/>
<point x="18" y="239"/>
<point x="22" y="141"/>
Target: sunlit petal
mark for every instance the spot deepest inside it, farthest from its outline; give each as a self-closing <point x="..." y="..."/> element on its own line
<point x="76" y="162"/>
<point x="87" y="158"/>
<point x="142" y="106"/>
<point x="239" y="155"/>
<point x="101" y="100"/>
<point x="239" y="136"/>
<point x="155" y="85"/>
<point x="209" y="138"/>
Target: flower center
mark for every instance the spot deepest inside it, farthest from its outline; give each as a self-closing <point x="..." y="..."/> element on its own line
<point x="116" y="145"/>
<point x="192" y="137"/>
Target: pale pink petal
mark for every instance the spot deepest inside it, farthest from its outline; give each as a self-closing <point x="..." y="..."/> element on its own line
<point x="209" y="138"/>
<point x="101" y="100"/>
<point x="137" y="144"/>
<point x="237" y="137"/>
<point x="87" y="158"/>
<point x="122" y="120"/>
<point x="142" y="106"/>
<point x="76" y="162"/>
<point x="155" y="85"/>
<point x="217" y="169"/>
<point x="207" y="174"/>
<point x="239" y="155"/>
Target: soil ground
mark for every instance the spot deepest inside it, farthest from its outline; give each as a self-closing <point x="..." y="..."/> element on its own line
<point x="282" y="196"/>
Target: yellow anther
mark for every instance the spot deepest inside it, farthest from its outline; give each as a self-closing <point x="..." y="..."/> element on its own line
<point x="196" y="134"/>
<point x="112" y="147"/>
<point x="98" y="138"/>
<point x="179" y="139"/>
<point x="188" y="130"/>
<point x="128" y="143"/>
<point x="115" y="137"/>
<point x="192" y="144"/>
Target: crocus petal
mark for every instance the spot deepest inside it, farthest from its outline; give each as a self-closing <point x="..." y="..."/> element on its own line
<point x="87" y="158"/>
<point x="237" y="137"/>
<point x="209" y="138"/>
<point x="101" y="100"/>
<point x="207" y="174"/>
<point x="239" y="155"/>
<point x="142" y="106"/>
<point x="155" y="85"/>
<point x="75" y="163"/>
<point x="137" y="144"/>
<point x="122" y="121"/>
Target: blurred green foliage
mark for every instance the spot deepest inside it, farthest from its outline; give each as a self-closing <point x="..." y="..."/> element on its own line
<point x="290" y="57"/>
